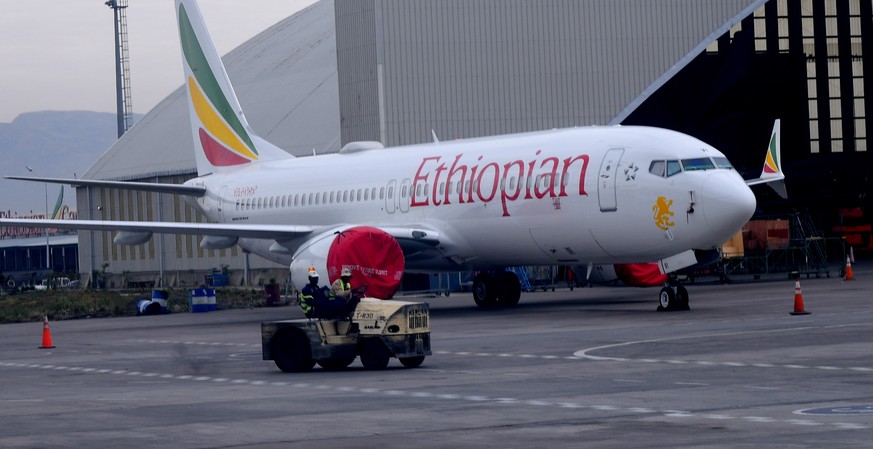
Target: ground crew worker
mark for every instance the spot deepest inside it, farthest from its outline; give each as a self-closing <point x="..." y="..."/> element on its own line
<point x="341" y="286"/>
<point x="312" y="297"/>
<point x="342" y="290"/>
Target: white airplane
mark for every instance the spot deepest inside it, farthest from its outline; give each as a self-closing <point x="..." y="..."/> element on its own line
<point x="576" y="196"/>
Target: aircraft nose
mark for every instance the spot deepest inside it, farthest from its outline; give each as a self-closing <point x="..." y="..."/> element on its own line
<point x="727" y="203"/>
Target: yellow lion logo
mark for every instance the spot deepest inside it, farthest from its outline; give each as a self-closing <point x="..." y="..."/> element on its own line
<point x="663" y="213"/>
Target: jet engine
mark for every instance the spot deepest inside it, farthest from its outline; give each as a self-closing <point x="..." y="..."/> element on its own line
<point x="373" y="256"/>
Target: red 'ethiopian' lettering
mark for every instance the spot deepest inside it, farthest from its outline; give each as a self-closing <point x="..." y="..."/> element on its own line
<point x="484" y="180"/>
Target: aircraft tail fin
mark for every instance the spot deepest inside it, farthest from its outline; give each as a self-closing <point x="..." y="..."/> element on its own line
<point x="772" y="174"/>
<point x="222" y="135"/>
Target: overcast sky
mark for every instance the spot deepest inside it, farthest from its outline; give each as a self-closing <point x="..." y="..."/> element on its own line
<point x="60" y="54"/>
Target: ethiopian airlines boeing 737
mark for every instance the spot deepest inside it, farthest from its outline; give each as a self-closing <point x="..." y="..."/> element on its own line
<point x="576" y="196"/>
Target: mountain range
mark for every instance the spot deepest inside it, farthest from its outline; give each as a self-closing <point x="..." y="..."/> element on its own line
<point x="62" y="144"/>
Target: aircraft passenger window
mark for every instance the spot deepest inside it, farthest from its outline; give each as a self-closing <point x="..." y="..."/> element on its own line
<point x="309" y="201"/>
<point x="475" y="186"/>
<point x="467" y="186"/>
<point x="403" y="191"/>
<point x="673" y="167"/>
<point x="382" y="193"/>
<point x="324" y="197"/>
<point x="390" y="192"/>
<point x="702" y="163"/>
<point x="722" y="162"/>
<point x="657" y="168"/>
<point x="259" y="203"/>
<point x="271" y="203"/>
<point x="512" y="181"/>
<point x="418" y="188"/>
<point x="359" y="195"/>
<point x="373" y="193"/>
<point x="345" y="196"/>
<point x="442" y="188"/>
<point x="296" y="197"/>
<point x="332" y="196"/>
<point x="366" y="194"/>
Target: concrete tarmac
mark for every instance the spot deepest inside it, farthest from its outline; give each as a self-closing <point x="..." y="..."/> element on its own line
<point x="591" y="367"/>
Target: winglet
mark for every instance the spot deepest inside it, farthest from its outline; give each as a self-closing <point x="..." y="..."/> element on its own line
<point x="772" y="174"/>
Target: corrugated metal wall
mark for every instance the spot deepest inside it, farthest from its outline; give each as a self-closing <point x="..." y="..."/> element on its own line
<point x="467" y="68"/>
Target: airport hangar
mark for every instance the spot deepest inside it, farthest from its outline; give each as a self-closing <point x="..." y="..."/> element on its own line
<point x="393" y="70"/>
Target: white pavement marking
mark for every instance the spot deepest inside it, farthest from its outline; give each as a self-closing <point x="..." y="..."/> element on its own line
<point x="676" y="414"/>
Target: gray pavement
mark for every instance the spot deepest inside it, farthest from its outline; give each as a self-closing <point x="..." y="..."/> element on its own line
<point x="592" y="367"/>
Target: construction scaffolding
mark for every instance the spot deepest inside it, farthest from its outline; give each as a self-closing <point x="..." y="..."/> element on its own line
<point x="786" y="244"/>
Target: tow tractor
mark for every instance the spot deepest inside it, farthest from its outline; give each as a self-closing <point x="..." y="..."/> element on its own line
<point x="376" y="331"/>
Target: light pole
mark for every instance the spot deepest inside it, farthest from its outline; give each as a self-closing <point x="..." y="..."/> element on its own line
<point x="48" y="259"/>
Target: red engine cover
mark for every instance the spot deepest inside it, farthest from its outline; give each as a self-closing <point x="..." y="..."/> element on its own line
<point x="640" y="274"/>
<point x="374" y="257"/>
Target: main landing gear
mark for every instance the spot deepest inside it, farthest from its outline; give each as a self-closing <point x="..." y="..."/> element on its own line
<point x="673" y="296"/>
<point x="498" y="288"/>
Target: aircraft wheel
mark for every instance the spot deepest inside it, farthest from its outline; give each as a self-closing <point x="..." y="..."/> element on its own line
<point x="510" y="289"/>
<point x="485" y="290"/>
<point x="412" y="362"/>
<point x="374" y="354"/>
<point x="291" y="351"/>
<point x="336" y="363"/>
<point x="682" y="298"/>
<point x="666" y="299"/>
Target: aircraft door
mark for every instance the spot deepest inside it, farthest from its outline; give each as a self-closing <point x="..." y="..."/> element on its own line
<point x="223" y="202"/>
<point x="606" y="180"/>
<point x="405" y="196"/>
<point x="390" y="195"/>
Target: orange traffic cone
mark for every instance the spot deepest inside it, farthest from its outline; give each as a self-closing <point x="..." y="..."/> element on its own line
<point x="850" y="276"/>
<point x="798" y="300"/>
<point x="46" y="335"/>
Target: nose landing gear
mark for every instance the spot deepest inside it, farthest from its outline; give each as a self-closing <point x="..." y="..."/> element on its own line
<point x="673" y="297"/>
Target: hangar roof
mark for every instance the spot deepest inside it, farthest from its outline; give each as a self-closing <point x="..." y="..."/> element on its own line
<point x="285" y="78"/>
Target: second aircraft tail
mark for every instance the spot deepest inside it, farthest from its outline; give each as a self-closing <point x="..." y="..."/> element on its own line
<point x="772" y="174"/>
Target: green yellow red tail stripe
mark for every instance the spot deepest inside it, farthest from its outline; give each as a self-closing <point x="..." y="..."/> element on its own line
<point x="222" y="134"/>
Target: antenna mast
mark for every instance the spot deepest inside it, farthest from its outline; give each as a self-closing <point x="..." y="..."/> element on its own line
<point x="122" y="68"/>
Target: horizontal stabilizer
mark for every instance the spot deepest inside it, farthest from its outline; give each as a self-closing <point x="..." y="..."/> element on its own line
<point x="177" y="189"/>
<point x="261" y="231"/>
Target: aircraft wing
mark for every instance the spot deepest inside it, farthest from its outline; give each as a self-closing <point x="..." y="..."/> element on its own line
<point x="259" y="231"/>
<point x="177" y="189"/>
<point x="410" y="238"/>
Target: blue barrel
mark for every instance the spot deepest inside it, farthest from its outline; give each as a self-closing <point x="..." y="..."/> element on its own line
<point x="199" y="298"/>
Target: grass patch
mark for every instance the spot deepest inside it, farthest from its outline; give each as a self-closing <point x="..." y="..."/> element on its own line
<point x="70" y="304"/>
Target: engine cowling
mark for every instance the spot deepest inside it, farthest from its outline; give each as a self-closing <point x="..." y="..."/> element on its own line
<point x="640" y="274"/>
<point x="631" y="274"/>
<point x="374" y="257"/>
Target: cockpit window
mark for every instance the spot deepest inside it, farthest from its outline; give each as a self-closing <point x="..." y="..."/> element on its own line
<point x="665" y="169"/>
<point x="703" y="163"/>
<point x="722" y="162"/>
